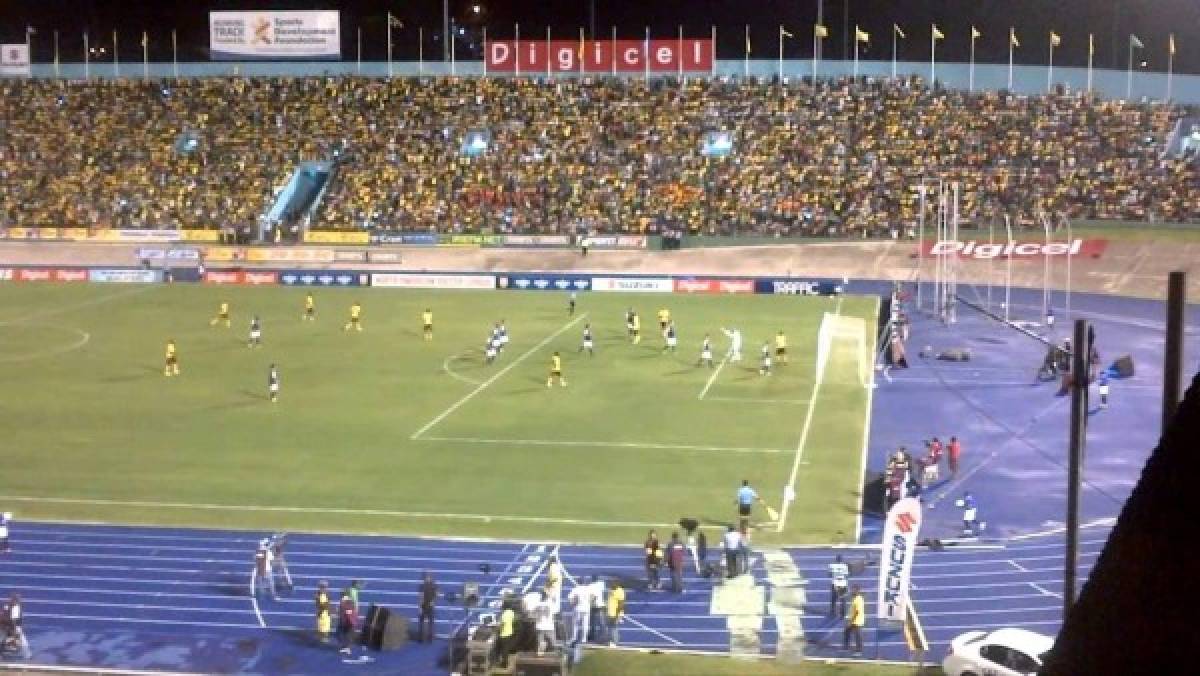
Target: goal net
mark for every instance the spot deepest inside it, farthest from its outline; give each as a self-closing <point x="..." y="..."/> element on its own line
<point x="843" y="356"/>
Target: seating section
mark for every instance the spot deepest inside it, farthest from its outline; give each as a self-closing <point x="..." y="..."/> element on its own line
<point x="842" y="157"/>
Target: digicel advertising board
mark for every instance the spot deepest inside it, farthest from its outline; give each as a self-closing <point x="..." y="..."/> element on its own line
<point x="599" y="56"/>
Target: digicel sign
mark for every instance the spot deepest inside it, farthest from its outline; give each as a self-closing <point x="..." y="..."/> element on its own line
<point x="598" y="56"/>
<point x="1088" y="248"/>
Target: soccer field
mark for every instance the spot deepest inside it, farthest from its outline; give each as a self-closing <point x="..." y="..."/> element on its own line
<point x="382" y="431"/>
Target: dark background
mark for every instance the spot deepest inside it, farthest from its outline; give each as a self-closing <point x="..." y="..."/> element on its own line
<point x="1110" y="20"/>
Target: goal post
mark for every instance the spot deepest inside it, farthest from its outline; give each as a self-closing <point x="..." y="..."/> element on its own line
<point x="843" y="356"/>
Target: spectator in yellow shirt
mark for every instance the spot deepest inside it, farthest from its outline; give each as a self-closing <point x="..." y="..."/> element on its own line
<point x="616" y="612"/>
<point x="855" y="621"/>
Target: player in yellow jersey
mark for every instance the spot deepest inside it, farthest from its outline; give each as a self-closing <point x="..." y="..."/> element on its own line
<point x="664" y="320"/>
<point x="635" y="328"/>
<point x="781" y="347"/>
<point x="355" y="317"/>
<point x="172" y="364"/>
<point x="310" y="308"/>
<point x="222" y="315"/>
<point x="556" y="371"/>
<point x="427" y="322"/>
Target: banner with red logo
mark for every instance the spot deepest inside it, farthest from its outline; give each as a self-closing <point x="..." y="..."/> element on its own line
<point x="714" y="286"/>
<point x="599" y="56"/>
<point x="896" y="560"/>
<point x="971" y="249"/>
<point x="50" y="275"/>
<point x="240" y="277"/>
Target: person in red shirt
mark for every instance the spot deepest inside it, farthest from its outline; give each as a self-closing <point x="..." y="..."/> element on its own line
<point x="654" y="557"/>
<point x="675" y="563"/>
<point x="347" y="621"/>
<point x="955" y="452"/>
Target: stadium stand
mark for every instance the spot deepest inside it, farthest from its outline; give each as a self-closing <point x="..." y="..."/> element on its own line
<point x="841" y="157"/>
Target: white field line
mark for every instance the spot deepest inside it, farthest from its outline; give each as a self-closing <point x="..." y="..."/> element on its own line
<point x="603" y="444"/>
<point x="484" y="385"/>
<point x="454" y="374"/>
<point x="866" y="433"/>
<point x="753" y="400"/>
<point x="62" y="309"/>
<point x="713" y="378"/>
<point x="1098" y="523"/>
<point x="790" y="487"/>
<point x="482" y="518"/>
<point x="254" y="596"/>
<point x="82" y="340"/>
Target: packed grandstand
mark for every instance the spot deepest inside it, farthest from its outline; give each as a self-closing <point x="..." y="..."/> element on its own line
<point x="838" y="157"/>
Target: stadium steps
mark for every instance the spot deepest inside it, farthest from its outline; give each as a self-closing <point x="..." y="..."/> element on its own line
<point x="741" y="600"/>
<point x="788" y="597"/>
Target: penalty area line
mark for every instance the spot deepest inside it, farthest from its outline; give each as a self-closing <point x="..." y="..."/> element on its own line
<point x="713" y="378"/>
<point x="454" y="374"/>
<point x="484" y="385"/>
<point x="604" y="444"/>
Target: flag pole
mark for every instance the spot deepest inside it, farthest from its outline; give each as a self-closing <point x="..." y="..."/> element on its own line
<point x="389" y="45"/>
<point x="780" y="52"/>
<point x="713" y="45"/>
<point x="679" y="52"/>
<point x="855" y="50"/>
<point x="646" y="58"/>
<point x="453" y="49"/>
<point x="29" y="47"/>
<point x="358" y="59"/>
<point x="145" y="56"/>
<point x="420" y="50"/>
<point x="547" y="50"/>
<point x="1170" y="62"/>
<point x="1050" y="66"/>
<point x="87" y="72"/>
<point x="1129" y="73"/>
<point x="56" y="70"/>
<point x="1012" y="37"/>
<point x="516" y="49"/>
<point x="893" y="51"/>
<point x="746" y="54"/>
<point x="583" y="51"/>
<point x="971" y="68"/>
<point x="174" y="54"/>
<point x="613" y="60"/>
<point x="1091" y="53"/>
<point x="485" y="54"/>
<point x="116" y="59"/>
<point x="933" y="56"/>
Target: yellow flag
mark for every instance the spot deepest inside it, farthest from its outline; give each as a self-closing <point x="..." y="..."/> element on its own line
<point x="820" y="31"/>
<point x="1012" y="38"/>
<point x="784" y="32"/>
<point x="975" y="34"/>
<point x="1055" y="39"/>
<point x="861" y="35"/>
<point x="937" y="34"/>
<point x="1171" y="44"/>
<point x="896" y="27"/>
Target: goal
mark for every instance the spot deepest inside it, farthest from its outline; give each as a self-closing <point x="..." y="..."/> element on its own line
<point x="843" y="356"/>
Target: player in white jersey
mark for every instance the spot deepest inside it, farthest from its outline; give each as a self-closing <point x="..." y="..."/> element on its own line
<point x="503" y="335"/>
<point x="839" y="574"/>
<point x="735" y="344"/>
<point x="491" y="347"/>
<point x="706" y="352"/>
<point x="273" y="383"/>
<point x="255" y="333"/>
<point x="671" y="340"/>
<point x="588" y="343"/>
<point x="765" y="360"/>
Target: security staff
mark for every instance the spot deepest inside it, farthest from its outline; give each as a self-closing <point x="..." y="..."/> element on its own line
<point x="425" y="620"/>
<point x="855" y="621"/>
<point x="839" y="573"/>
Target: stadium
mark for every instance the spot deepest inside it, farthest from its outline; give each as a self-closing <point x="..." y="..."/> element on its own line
<point x="484" y="338"/>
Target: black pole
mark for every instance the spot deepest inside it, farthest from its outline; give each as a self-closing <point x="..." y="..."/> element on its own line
<point x="1173" y="352"/>
<point x="1079" y="386"/>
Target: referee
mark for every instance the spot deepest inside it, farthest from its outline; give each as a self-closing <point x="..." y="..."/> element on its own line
<point x="746" y="497"/>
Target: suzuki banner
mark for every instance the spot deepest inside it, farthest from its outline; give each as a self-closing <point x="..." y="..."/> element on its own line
<point x="896" y="561"/>
<point x="323" y="278"/>
<point x="971" y="249"/>
<point x="670" y="55"/>
<point x="274" y="35"/>
<point x="548" y="282"/>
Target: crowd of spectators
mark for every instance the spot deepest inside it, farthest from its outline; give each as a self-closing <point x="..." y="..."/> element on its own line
<point x="841" y="157"/>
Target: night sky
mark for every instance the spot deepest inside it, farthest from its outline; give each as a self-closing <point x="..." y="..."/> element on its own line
<point x="1111" y="20"/>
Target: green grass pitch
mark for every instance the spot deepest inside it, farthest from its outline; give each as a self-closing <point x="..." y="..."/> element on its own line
<point x="382" y="431"/>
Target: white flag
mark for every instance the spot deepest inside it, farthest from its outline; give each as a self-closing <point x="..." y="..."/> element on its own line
<point x="14" y="59"/>
<point x="1135" y="42"/>
<point x="895" y="564"/>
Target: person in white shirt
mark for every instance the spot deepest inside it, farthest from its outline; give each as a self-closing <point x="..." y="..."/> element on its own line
<point x="598" y="598"/>
<point x="5" y="547"/>
<point x="839" y="575"/>
<point x="543" y="615"/>
<point x="732" y="542"/>
<point x="554" y="583"/>
<point x="581" y="600"/>
<point x="735" y="344"/>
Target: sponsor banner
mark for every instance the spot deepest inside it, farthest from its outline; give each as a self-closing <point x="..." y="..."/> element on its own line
<point x="669" y="55"/>
<point x="895" y="564"/>
<point x="617" y="242"/>
<point x="714" y="286"/>
<point x="323" y="278"/>
<point x="633" y="284"/>
<point x="257" y="278"/>
<point x="240" y="277"/>
<point x="383" y="256"/>
<point x="288" y="255"/>
<point x="127" y="276"/>
<point x="971" y="249"/>
<point x="545" y="241"/>
<point x="336" y="237"/>
<point x="74" y="234"/>
<point x="274" y="35"/>
<point x="184" y="254"/>
<point x="410" y="238"/>
<point x="350" y="256"/>
<point x="14" y="59"/>
<point x="201" y="235"/>
<point x="409" y="280"/>
<point x="50" y="275"/>
<point x="471" y="240"/>
<point x="136" y="235"/>
<point x="6" y="274"/>
<point x="798" y="287"/>
<point x="224" y="254"/>
<point x="544" y="282"/>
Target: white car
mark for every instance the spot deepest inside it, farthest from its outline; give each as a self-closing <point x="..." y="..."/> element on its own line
<point x="1004" y="652"/>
